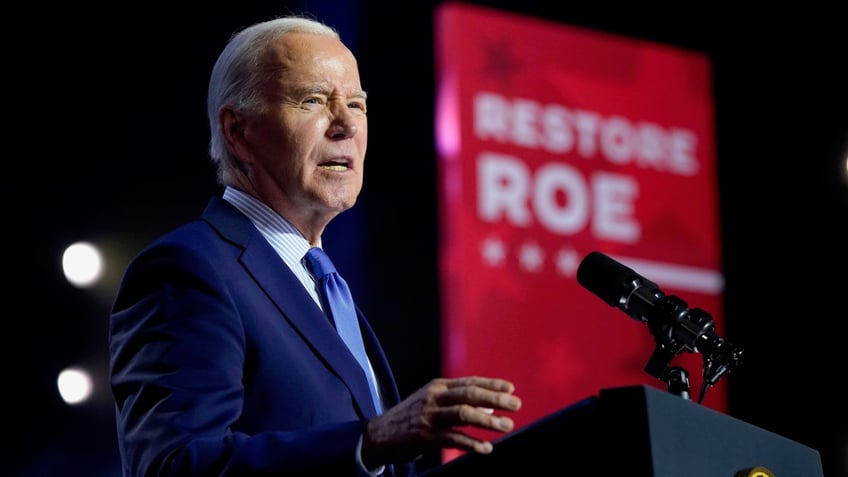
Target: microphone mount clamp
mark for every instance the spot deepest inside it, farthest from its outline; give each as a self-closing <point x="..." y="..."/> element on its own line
<point x="677" y="329"/>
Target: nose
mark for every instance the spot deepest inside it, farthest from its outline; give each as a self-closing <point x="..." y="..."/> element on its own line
<point x="344" y="123"/>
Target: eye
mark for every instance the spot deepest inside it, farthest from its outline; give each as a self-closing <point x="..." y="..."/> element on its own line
<point x="359" y="105"/>
<point x="313" y="100"/>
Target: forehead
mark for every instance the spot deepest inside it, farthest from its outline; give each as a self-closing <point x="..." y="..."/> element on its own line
<point x="310" y="58"/>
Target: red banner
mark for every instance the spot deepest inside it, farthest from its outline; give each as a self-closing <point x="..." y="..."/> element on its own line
<point x="555" y="141"/>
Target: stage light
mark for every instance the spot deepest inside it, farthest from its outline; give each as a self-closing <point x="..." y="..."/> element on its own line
<point x="75" y="385"/>
<point x="82" y="264"/>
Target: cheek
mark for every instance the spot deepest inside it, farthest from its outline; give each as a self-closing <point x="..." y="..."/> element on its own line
<point x="362" y="139"/>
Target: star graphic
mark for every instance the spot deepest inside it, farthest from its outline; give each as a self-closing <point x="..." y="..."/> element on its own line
<point x="531" y="257"/>
<point x="567" y="262"/>
<point x="493" y="251"/>
<point x="498" y="62"/>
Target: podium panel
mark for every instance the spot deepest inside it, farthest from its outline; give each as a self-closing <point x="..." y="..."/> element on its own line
<point x="639" y="431"/>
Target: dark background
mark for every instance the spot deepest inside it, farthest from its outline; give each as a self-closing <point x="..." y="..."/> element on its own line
<point x="105" y="140"/>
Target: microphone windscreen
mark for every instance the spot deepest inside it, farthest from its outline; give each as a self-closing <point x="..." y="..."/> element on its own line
<point x="605" y="277"/>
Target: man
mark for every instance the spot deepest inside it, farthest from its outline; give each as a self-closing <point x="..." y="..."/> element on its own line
<point x="222" y="359"/>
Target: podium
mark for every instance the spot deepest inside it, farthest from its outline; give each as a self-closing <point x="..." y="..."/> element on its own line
<point x="638" y="431"/>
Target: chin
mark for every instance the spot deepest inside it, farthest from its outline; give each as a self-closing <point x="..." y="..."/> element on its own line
<point x="340" y="204"/>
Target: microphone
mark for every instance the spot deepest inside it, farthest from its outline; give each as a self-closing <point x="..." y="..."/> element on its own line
<point x="675" y="327"/>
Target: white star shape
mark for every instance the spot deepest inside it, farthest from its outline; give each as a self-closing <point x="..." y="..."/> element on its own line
<point x="567" y="262"/>
<point x="531" y="257"/>
<point x="494" y="252"/>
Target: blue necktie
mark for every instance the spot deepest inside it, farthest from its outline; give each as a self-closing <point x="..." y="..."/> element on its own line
<point x="338" y="303"/>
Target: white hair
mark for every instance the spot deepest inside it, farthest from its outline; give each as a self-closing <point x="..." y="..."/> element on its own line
<point x="236" y="77"/>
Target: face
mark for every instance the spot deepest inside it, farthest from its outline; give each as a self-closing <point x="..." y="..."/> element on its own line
<point x="305" y="149"/>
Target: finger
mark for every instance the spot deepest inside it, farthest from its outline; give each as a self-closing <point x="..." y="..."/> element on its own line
<point x="465" y="415"/>
<point x="460" y="440"/>
<point x="494" y="384"/>
<point x="472" y="416"/>
<point x="479" y="397"/>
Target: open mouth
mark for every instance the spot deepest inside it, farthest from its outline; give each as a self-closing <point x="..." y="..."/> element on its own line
<point x="336" y="165"/>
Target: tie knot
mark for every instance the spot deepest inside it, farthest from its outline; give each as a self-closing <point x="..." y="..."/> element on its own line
<point x="318" y="263"/>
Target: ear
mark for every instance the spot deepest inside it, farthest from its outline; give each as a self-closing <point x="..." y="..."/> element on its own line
<point x="232" y="128"/>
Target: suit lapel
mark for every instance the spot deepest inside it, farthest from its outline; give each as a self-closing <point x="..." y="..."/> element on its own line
<point x="385" y="377"/>
<point x="295" y="304"/>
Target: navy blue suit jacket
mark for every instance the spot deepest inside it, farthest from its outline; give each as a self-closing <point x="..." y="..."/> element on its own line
<point x="222" y="364"/>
